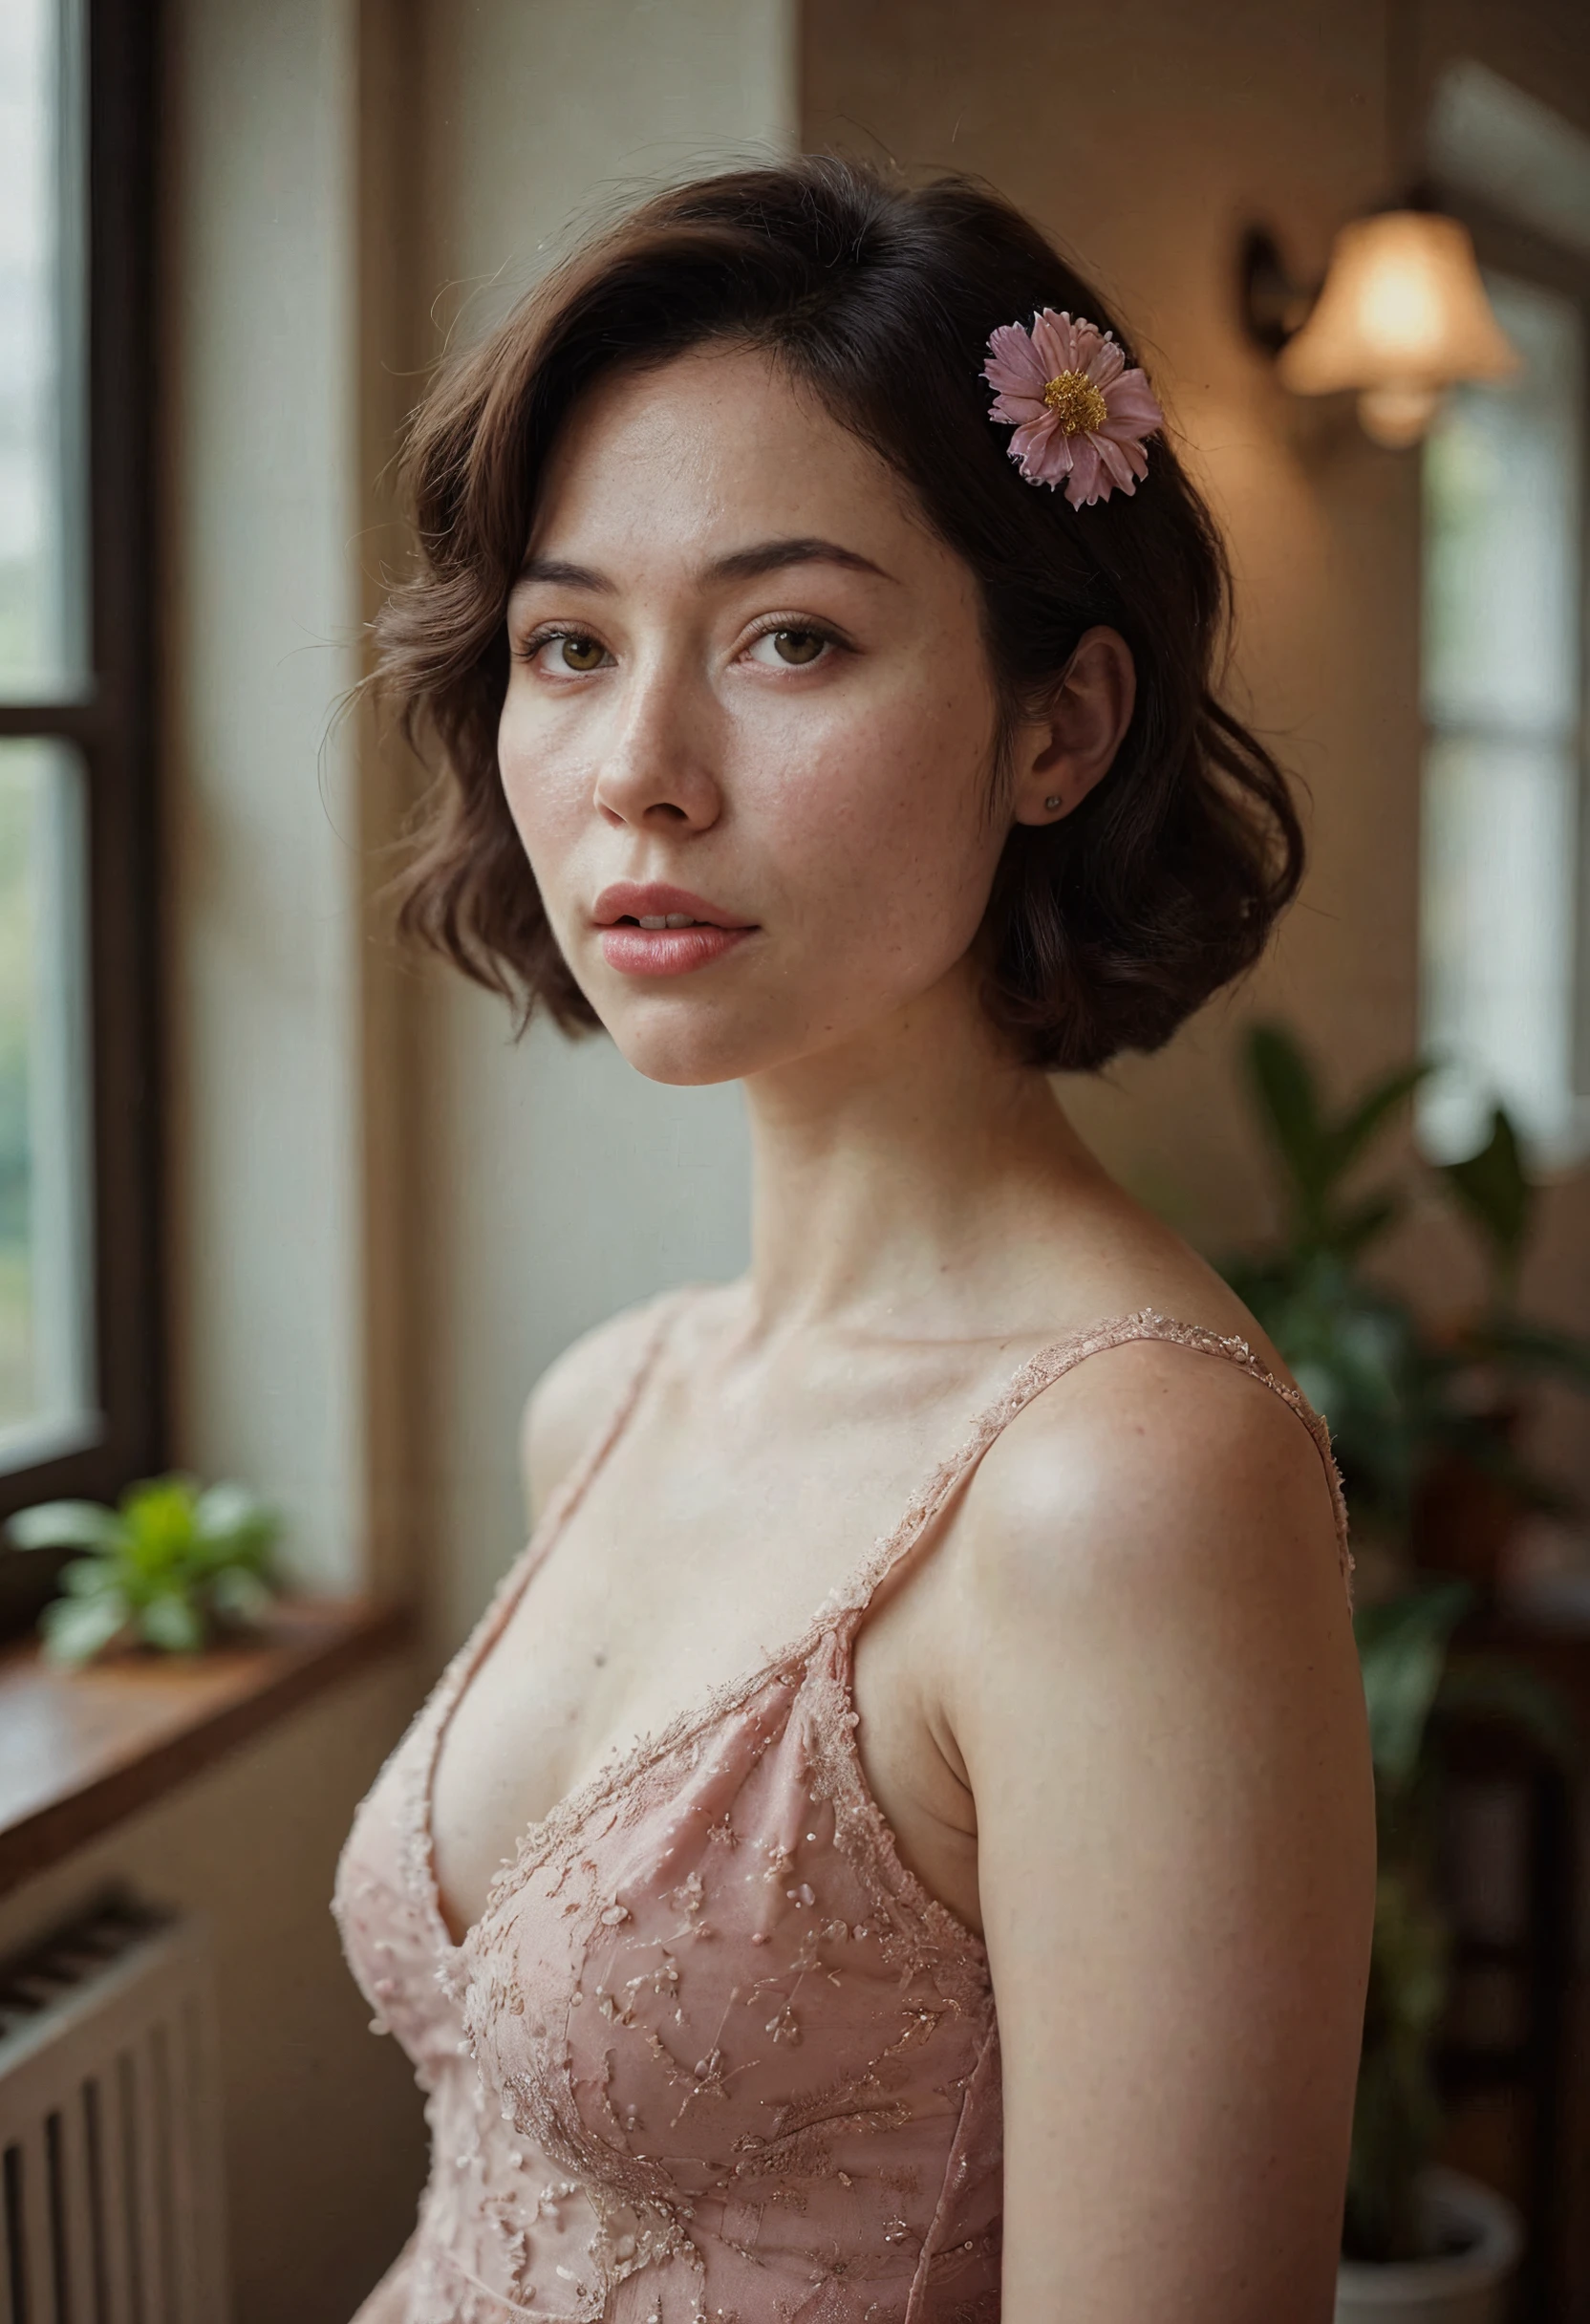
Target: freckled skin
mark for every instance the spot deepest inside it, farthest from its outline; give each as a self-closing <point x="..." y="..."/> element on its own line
<point x="1115" y="1719"/>
<point x="781" y="791"/>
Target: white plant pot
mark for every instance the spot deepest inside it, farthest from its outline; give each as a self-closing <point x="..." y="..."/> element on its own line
<point x="1479" y="2236"/>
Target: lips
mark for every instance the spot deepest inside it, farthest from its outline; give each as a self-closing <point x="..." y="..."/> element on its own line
<point x="626" y="900"/>
<point x="653" y="930"/>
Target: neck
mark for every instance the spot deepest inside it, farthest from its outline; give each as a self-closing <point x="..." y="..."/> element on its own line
<point x="894" y="1175"/>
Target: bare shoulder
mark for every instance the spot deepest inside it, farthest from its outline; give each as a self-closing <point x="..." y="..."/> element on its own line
<point x="575" y="1395"/>
<point x="1145" y="1671"/>
<point x="1157" y="1469"/>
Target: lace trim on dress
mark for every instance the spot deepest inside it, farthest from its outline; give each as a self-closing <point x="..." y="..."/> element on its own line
<point x="1043" y="1370"/>
<point x="416" y="1839"/>
<point x="840" y="1616"/>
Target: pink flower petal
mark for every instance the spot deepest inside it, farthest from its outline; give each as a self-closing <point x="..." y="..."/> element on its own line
<point x="1088" y="341"/>
<point x="1083" y="487"/>
<point x="1133" y="406"/>
<point x="1054" y="340"/>
<point x="1106" y="363"/>
<point x="1012" y="364"/>
<point x="1117" y="463"/>
<point x="1016" y="411"/>
<point x="1042" y="452"/>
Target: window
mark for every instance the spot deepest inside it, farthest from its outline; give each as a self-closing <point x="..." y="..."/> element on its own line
<point x="1504" y="1001"/>
<point x="1505" y="988"/>
<point x="79" y="1337"/>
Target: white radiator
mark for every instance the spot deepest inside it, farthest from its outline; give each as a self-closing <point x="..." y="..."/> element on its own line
<point x="109" y="2126"/>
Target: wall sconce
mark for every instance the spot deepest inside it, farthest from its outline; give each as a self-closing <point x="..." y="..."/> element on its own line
<point x="1401" y="315"/>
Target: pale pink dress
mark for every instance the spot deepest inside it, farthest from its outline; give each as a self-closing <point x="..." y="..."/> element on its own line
<point x="711" y="2052"/>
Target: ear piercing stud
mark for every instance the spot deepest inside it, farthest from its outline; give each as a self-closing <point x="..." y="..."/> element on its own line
<point x="1052" y="803"/>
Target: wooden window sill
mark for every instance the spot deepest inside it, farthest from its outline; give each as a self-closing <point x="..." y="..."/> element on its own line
<point x="81" y="1750"/>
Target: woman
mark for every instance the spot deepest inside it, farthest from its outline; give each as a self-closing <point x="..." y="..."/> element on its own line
<point x="799" y="725"/>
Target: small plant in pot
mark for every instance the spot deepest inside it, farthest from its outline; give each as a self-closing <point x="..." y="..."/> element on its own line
<point x="1421" y="2245"/>
<point x="1424" y="1420"/>
<point x="171" y="1567"/>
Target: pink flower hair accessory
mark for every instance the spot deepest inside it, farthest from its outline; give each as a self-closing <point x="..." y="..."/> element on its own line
<point x="1081" y="417"/>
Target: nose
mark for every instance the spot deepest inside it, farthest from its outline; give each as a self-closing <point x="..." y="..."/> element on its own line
<point x="659" y="770"/>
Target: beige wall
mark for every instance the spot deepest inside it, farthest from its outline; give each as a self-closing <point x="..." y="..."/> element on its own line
<point x="383" y="1220"/>
<point x="1144" y="136"/>
<point x="265" y="1141"/>
<point x="553" y="1184"/>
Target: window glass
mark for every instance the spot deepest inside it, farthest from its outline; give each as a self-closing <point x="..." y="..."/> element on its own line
<point x="1503" y="685"/>
<point x="43" y="477"/>
<point x="46" y="1391"/>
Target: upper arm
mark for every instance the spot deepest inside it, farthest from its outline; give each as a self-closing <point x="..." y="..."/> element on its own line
<point x="573" y="1398"/>
<point x="1161" y="1721"/>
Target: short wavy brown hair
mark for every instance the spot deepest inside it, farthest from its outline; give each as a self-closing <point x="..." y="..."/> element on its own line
<point x="1102" y="931"/>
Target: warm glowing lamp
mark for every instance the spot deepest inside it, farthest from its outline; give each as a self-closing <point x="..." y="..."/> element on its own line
<point x="1403" y="314"/>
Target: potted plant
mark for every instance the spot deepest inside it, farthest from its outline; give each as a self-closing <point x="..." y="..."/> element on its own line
<point x="1416" y="1414"/>
<point x="169" y="1567"/>
<point x="1422" y="2245"/>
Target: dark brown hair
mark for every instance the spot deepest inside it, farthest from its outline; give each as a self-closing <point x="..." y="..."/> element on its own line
<point x="1105" y="929"/>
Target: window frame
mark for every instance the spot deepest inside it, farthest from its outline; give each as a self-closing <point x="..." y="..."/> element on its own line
<point x="112" y="726"/>
<point x="1506" y="245"/>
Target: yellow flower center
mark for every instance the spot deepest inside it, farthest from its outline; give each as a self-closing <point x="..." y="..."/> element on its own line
<point x="1076" y="403"/>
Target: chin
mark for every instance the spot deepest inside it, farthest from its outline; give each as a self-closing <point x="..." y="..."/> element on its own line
<point x="691" y="1044"/>
<point x="688" y="1048"/>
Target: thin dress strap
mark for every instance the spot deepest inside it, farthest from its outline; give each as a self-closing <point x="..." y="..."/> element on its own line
<point x="570" y="1491"/>
<point x="430" y="1727"/>
<point x="1041" y="1372"/>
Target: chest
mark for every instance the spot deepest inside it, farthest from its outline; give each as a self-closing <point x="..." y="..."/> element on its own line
<point x="705" y="1545"/>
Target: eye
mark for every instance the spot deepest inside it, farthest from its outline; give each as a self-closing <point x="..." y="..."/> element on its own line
<point x="797" y="649"/>
<point x="571" y="652"/>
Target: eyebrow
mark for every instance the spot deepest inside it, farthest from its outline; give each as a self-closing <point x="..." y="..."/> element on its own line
<point x="740" y="565"/>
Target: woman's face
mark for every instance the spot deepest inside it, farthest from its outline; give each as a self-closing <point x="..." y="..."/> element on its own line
<point x="749" y="724"/>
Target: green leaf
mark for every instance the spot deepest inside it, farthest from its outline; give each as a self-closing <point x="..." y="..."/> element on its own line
<point x="87" y="1576"/>
<point x="1409" y="1957"/>
<point x="162" y="1535"/>
<point x="1537" y="1348"/>
<point x="77" y="1629"/>
<point x="1498" y="1192"/>
<point x="1355" y="1228"/>
<point x="1374" y="1110"/>
<point x="65" y="1525"/>
<point x="235" y="1527"/>
<point x="1283" y="1082"/>
<point x="239" y="1595"/>
<point x="1396" y="2115"/>
<point x="1402" y="1651"/>
<point x="172" y="1622"/>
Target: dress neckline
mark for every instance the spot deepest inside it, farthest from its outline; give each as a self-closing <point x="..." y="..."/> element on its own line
<point x="841" y="1613"/>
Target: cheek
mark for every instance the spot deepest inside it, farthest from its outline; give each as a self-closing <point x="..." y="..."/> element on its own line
<point x="882" y="820"/>
<point x="547" y="792"/>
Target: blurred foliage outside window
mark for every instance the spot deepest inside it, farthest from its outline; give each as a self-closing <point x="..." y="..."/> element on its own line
<point x="46" y="1359"/>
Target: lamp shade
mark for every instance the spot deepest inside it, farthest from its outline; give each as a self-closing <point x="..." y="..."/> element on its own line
<point x="1403" y="314"/>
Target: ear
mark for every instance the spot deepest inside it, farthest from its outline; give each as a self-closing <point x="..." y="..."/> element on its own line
<point x="1064" y="753"/>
